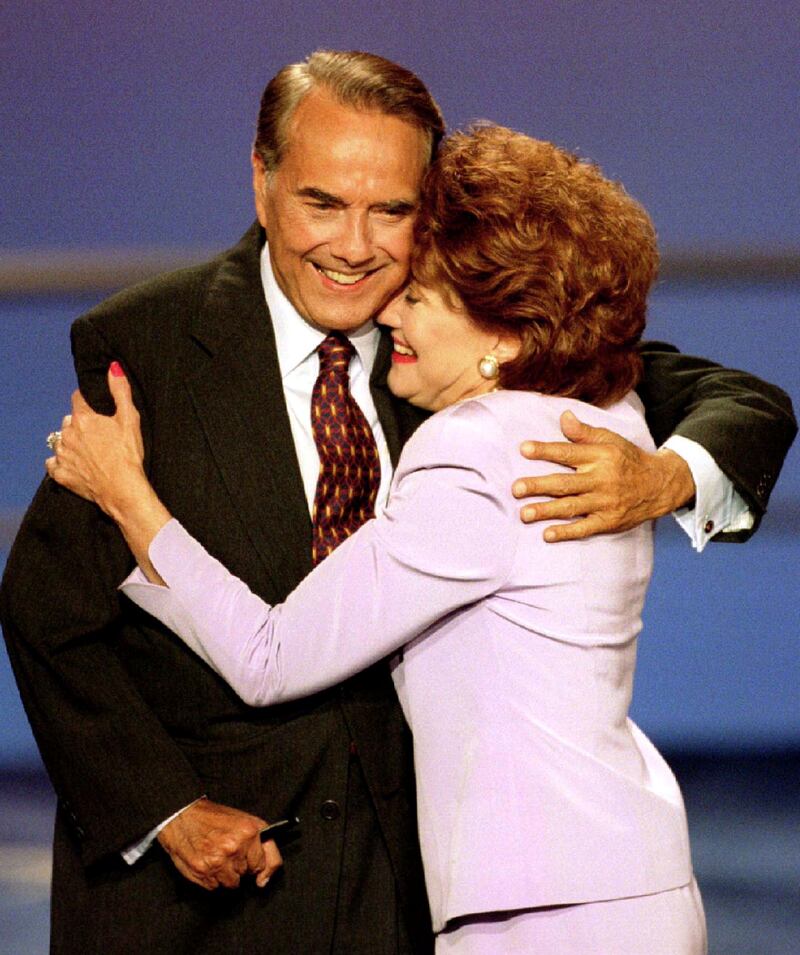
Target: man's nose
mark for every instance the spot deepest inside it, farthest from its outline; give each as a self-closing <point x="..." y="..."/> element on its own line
<point x="353" y="241"/>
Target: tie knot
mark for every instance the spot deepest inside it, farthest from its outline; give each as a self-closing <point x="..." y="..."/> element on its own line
<point x="335" y="353"/>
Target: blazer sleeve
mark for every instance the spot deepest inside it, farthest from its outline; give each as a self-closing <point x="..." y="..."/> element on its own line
<point x="747" y="425"/>
<point x="447" y="539"/>
<point x="115" y="770"/>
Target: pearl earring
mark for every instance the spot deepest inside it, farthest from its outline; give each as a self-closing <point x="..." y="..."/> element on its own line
<point x="489" y="367"/>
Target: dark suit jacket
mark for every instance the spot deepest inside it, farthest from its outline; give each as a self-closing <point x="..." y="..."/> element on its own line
<point x="132" y="726"/>
<point x="747" y="425"/>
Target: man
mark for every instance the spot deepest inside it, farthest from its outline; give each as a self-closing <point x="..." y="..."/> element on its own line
<point x="140" y="738"/>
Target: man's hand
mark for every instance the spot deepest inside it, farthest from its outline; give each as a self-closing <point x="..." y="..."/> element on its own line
<point x="614" y="486"/>
<point x="213" y="845"/>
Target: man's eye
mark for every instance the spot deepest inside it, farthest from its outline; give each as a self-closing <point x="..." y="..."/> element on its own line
<point x="400" y="212"/>
<point x="410" y="300"/>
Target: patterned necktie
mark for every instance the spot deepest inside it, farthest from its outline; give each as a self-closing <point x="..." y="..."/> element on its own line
<point x="349" y="468"/>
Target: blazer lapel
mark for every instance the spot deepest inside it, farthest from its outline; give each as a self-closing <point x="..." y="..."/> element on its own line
<point x="237" y="394"/>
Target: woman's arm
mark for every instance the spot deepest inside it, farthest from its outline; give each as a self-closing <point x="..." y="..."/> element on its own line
<point x="447" y="538"/>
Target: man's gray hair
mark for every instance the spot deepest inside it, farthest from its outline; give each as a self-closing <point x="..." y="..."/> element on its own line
<point x="361" y="80"/>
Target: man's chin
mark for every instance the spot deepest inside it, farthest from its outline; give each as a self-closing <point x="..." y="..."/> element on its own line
<point x="345" y="312"/>
<point x="348" y="321"/>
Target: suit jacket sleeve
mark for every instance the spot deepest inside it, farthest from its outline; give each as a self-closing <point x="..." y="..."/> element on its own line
<point x="747" y="425"/>
<point x="115" y="769"/>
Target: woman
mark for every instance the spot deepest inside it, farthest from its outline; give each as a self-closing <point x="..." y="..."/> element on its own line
<point x="547" y="821"/>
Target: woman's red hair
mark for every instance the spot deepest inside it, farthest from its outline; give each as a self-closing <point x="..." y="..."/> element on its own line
<point x="537" y="243"/>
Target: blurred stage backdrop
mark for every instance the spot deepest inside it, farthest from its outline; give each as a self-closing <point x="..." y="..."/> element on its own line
<point x="126" y="131"/>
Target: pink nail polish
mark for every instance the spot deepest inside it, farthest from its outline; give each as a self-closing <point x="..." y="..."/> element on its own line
<point x="116" y="369"/>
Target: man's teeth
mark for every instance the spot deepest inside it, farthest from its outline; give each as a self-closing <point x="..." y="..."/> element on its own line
<point x="342" y="277"/>
<point x="403" y="349"/>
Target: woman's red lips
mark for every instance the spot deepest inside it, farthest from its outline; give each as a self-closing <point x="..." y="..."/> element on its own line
<point x="402" y="354"/>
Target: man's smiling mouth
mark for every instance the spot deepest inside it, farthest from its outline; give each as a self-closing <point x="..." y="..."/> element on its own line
<point x="343" y="278"/>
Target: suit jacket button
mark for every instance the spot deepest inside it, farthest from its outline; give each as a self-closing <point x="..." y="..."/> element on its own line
<point x="330" y="810"/>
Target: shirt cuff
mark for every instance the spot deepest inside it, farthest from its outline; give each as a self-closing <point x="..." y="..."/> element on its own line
<point x="136" y="850"/>
<point x="718" y="506"/>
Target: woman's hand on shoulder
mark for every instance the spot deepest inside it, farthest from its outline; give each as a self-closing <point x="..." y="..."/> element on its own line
<point x="100" y="457"/>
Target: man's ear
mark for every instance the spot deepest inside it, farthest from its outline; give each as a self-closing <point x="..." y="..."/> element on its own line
<point x="259" y="187"/>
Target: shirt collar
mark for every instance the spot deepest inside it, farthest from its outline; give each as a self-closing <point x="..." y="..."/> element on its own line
<point x="295" y="339"/>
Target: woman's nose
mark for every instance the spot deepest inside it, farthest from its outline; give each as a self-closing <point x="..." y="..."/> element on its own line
<point x="391" y="313"/>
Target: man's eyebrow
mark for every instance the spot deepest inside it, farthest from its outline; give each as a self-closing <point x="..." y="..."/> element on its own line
<point x="396" y="206"/>
<point x="393" y="206"/>
<point x="319" y="195"/>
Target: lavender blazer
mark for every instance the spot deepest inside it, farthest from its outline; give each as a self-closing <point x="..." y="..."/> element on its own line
<point x="514" y="664"/>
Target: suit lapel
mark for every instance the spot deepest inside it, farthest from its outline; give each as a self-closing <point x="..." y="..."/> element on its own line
<point x="236" y="391"/>
<point x="398" y="418"/>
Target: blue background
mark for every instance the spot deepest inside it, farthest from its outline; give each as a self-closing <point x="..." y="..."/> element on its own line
<point x="126" y="126"/>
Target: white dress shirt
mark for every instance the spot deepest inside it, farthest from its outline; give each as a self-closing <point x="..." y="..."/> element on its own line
<point x="297" y="343"/>
<point x="718" y="506"/>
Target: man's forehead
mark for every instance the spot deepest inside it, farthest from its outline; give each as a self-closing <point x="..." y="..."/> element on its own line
<point x="321" y="107"/>
<point x="333" y="131"/>
<point x="354" y="164"/>
<point x="334" y="180"/>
